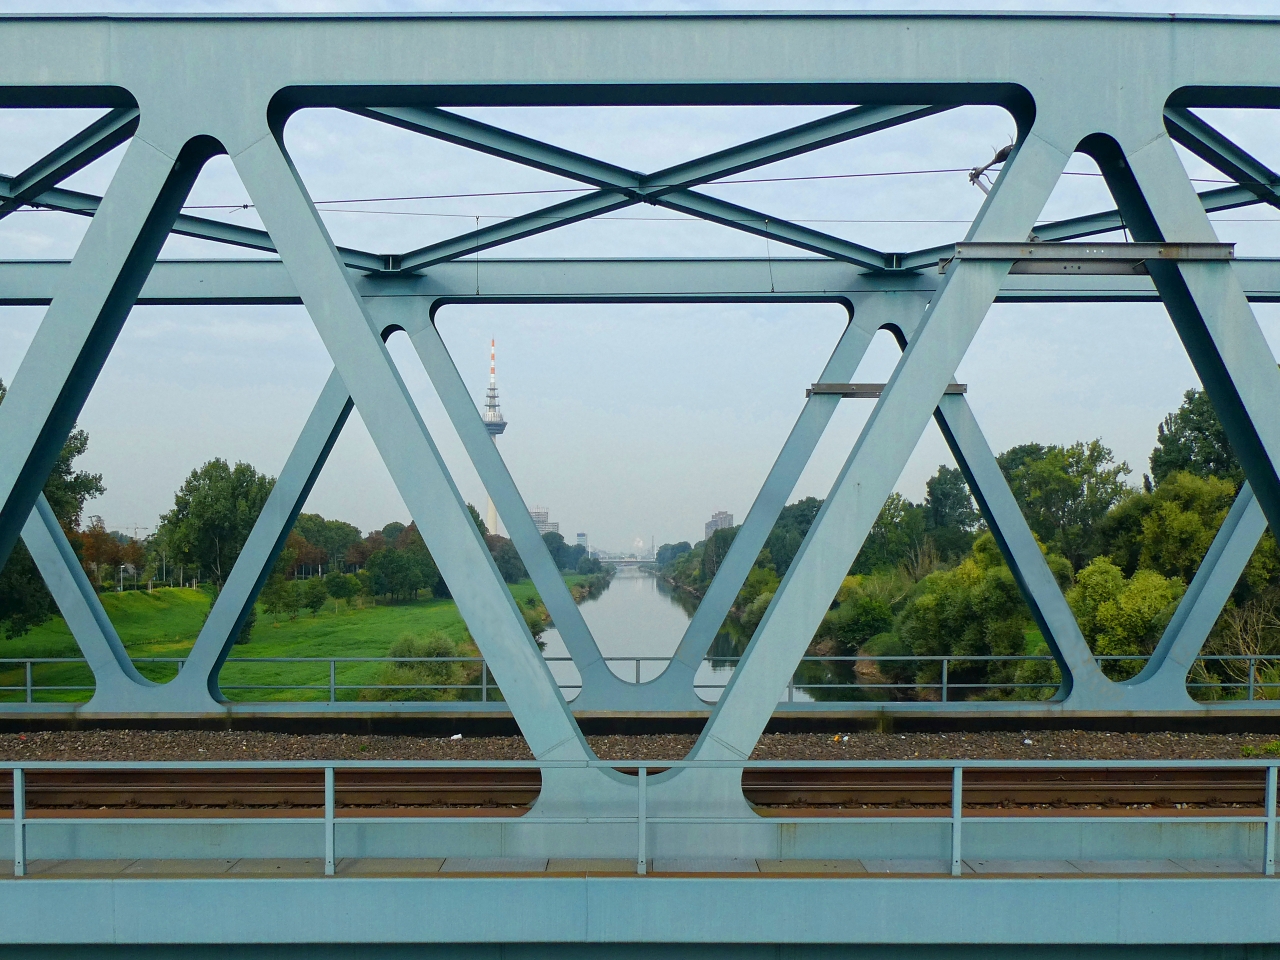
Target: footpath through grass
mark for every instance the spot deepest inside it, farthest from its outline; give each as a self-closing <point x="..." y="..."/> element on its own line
<point x="166" y="622"/>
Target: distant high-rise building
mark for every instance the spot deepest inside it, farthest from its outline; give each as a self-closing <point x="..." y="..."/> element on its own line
<point x="542" y="521"/>
<point x="719" y="520"/>
<point x="582" y="541"/>
<point x="493" y="422"/>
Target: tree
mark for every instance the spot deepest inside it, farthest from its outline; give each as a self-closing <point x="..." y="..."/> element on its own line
<point x="213" y="512"/>
<point x="133" y="554"/>
<point x="411" y="543"/>
<point x="1170" y="528"/>
<point x="393" y="573"/>
<point x="950" y="516"/>
<point x="669" y="551"/>
<point x="715" y="550"/>
<point x="334" y="537"/>
<point x="898" y="530"/>
<point x="281" y="595"/>
<point x="789" y="531"/>
<point x="1191" y="439"/>
<point x="24" y="600"/>
<point x="507" y="558"/>
<point x="314" y="594"/>
<point x="475" y="517"/>
<point x="341" y="586"/>
<point x="100" y="550"/>
<point x="1065" y="492"/>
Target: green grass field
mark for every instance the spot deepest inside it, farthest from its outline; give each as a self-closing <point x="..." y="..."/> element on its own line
<point x="165" y="623"/>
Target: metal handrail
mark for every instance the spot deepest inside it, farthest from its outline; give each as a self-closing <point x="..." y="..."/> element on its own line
<point x="945" y="686"/>
<point x="955" y="817"/>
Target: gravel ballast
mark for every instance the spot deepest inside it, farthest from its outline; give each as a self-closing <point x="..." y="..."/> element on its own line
<point x="1002" y="745"/>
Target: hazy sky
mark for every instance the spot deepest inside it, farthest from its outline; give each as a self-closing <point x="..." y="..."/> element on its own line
<point x="625" y="421"/>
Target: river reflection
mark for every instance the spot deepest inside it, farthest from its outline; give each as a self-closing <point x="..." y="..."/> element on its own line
<point x="640" y="616"/>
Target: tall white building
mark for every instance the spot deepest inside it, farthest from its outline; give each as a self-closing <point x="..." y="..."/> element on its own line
<point x="541" y="520"/>
<point x="719" y="520"/>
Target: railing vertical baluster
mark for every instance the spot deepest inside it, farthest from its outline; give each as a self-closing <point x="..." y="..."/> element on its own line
<point x="484" y="682"/>
<point x="957" y="811"/>
<point x="791" y="689"/>
<point x="19" y="822"/>
<point x="29" y="682"/>
<point x="944" y="679"/>
<point x="333" y="681"/>
<point x="642" y="830"/>
<point x="1269" y="861"/>
<point x="1251" y="678"/>
<point x="328" y="822"/>
<point x="637" y="671"/>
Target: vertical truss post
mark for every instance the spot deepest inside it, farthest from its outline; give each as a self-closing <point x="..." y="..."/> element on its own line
<point x="957" y="818"/>
<point x="328" y="822"/>
<point x="642" y="826"/>
<point x="1269" y="853"/>
<point x="19" y="822"/>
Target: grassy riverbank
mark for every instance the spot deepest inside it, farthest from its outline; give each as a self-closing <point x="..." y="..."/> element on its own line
<point x="165" y="623"/>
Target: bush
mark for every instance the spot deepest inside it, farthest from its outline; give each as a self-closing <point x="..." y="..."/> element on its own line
<point x="855" y="622"/>
<point x="890" y="645"/>
<point x="420" y="675"/>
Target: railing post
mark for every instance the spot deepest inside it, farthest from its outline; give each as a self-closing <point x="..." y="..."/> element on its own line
<point x="637" y="671"/>
<point x="944" y="679"/>
<point x="1269" y="860"/>
<point x="333" y="681"/>
<point x="484" y="682"/>
<point x="328" y="821"/>
<point x="642" y="854"/>
<point x="28" y="666"/>
<point x="19" y="822"/>
<point x="957" y="810"/>
<point x="1251" y="678"/>
<point x="791" y="689"/>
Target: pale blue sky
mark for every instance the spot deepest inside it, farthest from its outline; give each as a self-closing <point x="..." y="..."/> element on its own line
<point x="626" y="421"/>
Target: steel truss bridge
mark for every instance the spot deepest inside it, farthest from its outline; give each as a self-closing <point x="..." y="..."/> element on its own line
<point x="1121" y="89"/>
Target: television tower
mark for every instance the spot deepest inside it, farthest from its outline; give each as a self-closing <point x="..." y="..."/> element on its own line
<point x="493" y="422"/>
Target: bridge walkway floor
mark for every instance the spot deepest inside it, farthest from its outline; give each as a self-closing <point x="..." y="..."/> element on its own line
<point x="248" y="868"/>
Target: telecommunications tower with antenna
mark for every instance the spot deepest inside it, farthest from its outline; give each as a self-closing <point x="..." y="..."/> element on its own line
<point x="493" y="422"/>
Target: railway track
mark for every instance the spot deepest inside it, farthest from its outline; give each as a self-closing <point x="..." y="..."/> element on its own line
<point x="1227" y="788"/>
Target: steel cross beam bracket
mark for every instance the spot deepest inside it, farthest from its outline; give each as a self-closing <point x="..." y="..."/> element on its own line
<point x="867" y="391"/>
<point x="1086" y="258"/>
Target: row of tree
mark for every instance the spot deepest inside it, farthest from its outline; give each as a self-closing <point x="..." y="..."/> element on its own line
<point x="931" y="581"/>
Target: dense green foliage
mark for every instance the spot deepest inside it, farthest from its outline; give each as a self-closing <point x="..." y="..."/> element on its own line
<point x="24" y="600"/>
<point x="930" y="581"/>
<point x="1191" y="440"/>
<point x="213" y="513"/>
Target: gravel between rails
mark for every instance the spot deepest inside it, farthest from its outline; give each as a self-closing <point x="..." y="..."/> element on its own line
<point x="226" y="745"/>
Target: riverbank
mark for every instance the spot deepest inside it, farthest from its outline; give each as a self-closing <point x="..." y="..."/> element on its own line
<point x="164" y="623"/>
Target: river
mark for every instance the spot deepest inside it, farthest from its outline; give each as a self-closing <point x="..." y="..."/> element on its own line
<point x="639" y="615"/>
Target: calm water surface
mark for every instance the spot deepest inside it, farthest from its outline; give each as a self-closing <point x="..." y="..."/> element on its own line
<point x="637" y="616"/>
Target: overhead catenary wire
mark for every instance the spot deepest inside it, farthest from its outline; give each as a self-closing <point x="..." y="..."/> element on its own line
<point x="581" y="190"/>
